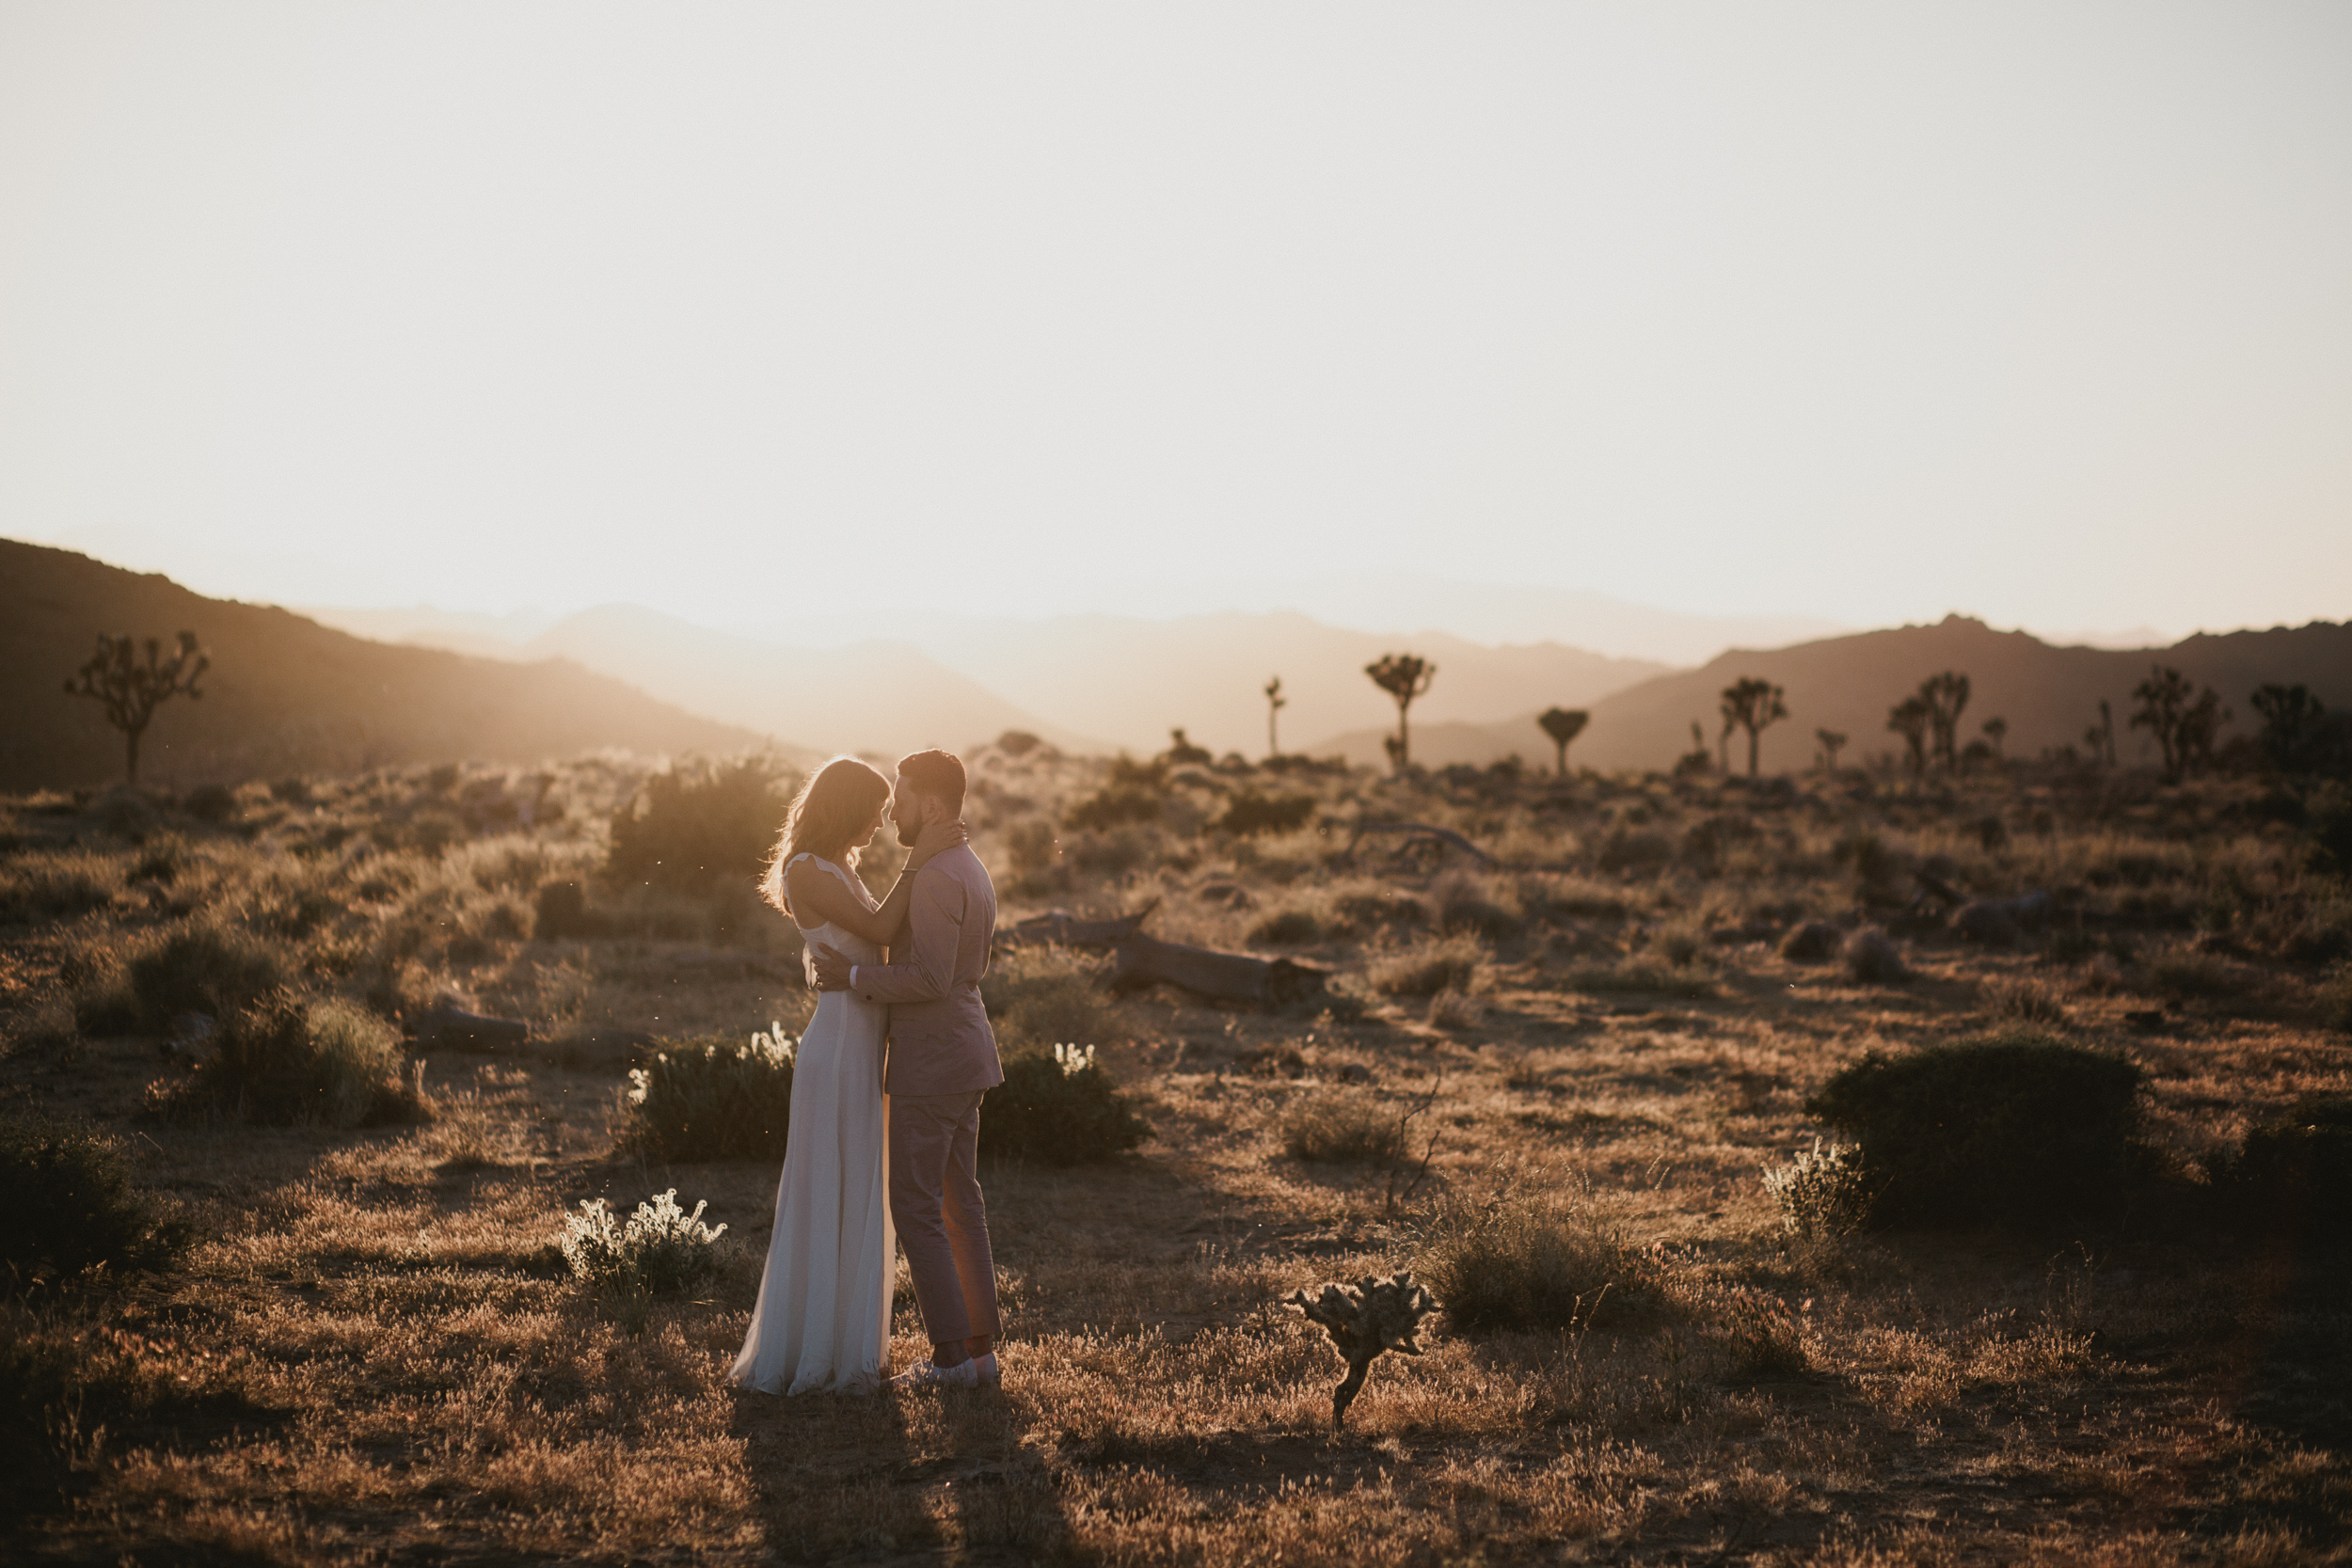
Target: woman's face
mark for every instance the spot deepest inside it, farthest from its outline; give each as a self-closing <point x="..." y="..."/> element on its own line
<point x="865" y="834"/>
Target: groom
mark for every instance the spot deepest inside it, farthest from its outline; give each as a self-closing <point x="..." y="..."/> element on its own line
<point x="942" y="1059"/>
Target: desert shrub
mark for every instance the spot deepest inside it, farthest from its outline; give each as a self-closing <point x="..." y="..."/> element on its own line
<point x="283" y="1058"/>
<point x="55" y="886"/>
<point x="1436" y="963"/>
<point x="70" y="1206"/>
<point x="1643" y="852"/>
<point x="210" y="803"/>
<point x="1574" y="898"/>
<point x="1643" y="975"/>
<point x="661" y="1249"/>
<point x="2328" y="818"/>
<point x="1135" y="792"/>
<point x="562" y="912"/>
<point x="1038" y="996"/>
<point x="2021" y="1001"/>
<point x="2335" y="998"/>
<point x="1248" y="813"/>
<point x="712" y="1098"/>
<point x="1288" y="928"/>
<point x="1681" y="943"/>
<point x="1822" y="1193"/>
<point x="1343" y="1127"/>
<point x="208" y="968"/>
<point x="1058" y="1107"/>
<point x="1528" y="1267"/>
<point x="1871" y="957"/>
<point x="1462" y="902"/>
<point x="2298" y="1170"/>
<point x="1456" y="1009"/>
<point x="1033" y="848"/>
<point x="700" y="823"/>
<point x="1815" y="942"/>
<point x="2009" y="1129"/>
<point x="2184" y="972"/>
<point x="1365" y="907"/>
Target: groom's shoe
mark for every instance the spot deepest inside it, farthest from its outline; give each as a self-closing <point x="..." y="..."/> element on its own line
<point x="986" y="1369"/>
<point x="930" y="1374"/>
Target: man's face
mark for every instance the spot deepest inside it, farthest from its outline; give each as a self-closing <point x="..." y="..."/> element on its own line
<point x="906" y="811"/>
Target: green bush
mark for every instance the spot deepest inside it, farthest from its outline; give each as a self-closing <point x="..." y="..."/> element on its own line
<point x="1250" y="812"/>
<point x="699" y="824"/>
<point x="2018" y="1129"/>
<point x="284" y="1060"/>
<point x="1343" y="1127"/>
<point x="713" y="1100"/>
<point x="661" y="1250"/>
<point x="1057" y="1107"/>
<point x="1530" y="1267"/>
<point x="69" y="1206"/>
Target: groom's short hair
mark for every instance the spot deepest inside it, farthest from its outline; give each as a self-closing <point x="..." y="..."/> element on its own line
<point x="936" y="774"/>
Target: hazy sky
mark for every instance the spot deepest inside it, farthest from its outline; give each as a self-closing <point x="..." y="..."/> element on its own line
<point x="2040" y="311"/>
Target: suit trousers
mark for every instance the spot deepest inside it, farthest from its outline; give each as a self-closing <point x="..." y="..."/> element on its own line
<point x="941" y="1222"/>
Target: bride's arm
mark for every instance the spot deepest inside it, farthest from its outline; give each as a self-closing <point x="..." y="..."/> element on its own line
<point x="814" y="891"/>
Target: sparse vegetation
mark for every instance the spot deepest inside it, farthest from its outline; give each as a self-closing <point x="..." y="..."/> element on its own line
<point x="378" y="1326"/>
<point x="71" y="1207"/>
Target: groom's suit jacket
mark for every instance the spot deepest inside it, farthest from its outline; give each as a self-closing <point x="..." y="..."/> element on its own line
<point x="940" y="1038"/>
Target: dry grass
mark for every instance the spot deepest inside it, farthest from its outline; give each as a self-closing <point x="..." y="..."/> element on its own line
<point x="373" y="1354"/>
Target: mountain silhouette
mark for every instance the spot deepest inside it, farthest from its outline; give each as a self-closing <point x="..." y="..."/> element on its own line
<point x="286" y="695"/>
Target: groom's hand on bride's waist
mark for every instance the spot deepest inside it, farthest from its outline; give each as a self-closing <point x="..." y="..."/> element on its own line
<point x="833" y="970"/>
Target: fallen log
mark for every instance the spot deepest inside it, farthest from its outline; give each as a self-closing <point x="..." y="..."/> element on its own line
<point x="449" y="1029"/>
<point x="1141" y="960"/>
<point x="1060" y="928"/>
<point x="1417" y="833"/>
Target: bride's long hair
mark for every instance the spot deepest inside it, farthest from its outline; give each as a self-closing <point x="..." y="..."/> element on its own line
<point x="838" y="801"/>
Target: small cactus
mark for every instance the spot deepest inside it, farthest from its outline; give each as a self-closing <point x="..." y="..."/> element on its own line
<point x="1365" y="1319"/>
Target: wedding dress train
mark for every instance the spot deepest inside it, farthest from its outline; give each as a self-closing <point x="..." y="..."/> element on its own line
<point x="824" y="1320"/>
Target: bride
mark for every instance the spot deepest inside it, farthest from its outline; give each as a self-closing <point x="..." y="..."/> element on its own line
<point x="824" y="1320"/>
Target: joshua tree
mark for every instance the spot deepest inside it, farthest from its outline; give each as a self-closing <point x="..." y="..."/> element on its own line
<point x="1402" y="676"/>
<point x="2183" y="729"/>
<point x="1831" y="741"/>
<point x="1911" y="718"/>
<point x="2291" y="718"/>
<point x="131" y="690"/>
<point x="1364" y="1320"/>
<point x="2100" y="737"/>
<point x="1996" y="731"/>
<point x="1274" y="703"/>
<point x="1755" y="706"/>
<point x="1562" y="724"/>
<point x="1946" y="696"/>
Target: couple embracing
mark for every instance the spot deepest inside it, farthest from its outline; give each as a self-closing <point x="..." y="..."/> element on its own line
<point x="881" y="1153"/>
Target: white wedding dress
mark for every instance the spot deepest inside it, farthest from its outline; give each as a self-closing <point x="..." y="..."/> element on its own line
<point x="823" y="1324"/>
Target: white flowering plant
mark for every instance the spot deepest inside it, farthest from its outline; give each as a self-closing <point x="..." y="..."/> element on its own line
<point x="661" y="1249"/>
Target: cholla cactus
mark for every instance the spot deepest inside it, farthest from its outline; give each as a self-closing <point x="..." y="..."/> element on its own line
<point x="1365" y="1319"/>
<point x="1823" y="1192"/>
<point x="660" y="1246"/>
<point x="1074" y="1059"/>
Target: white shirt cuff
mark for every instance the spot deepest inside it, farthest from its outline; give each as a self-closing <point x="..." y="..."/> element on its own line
<point x="853" y="977"/>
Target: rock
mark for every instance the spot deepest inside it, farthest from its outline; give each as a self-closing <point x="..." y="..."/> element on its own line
<point x="1815" y="942"/>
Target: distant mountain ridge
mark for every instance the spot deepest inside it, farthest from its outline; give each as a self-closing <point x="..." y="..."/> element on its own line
<point x="1847" y="684"/>
<point x="287" y="695"/>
